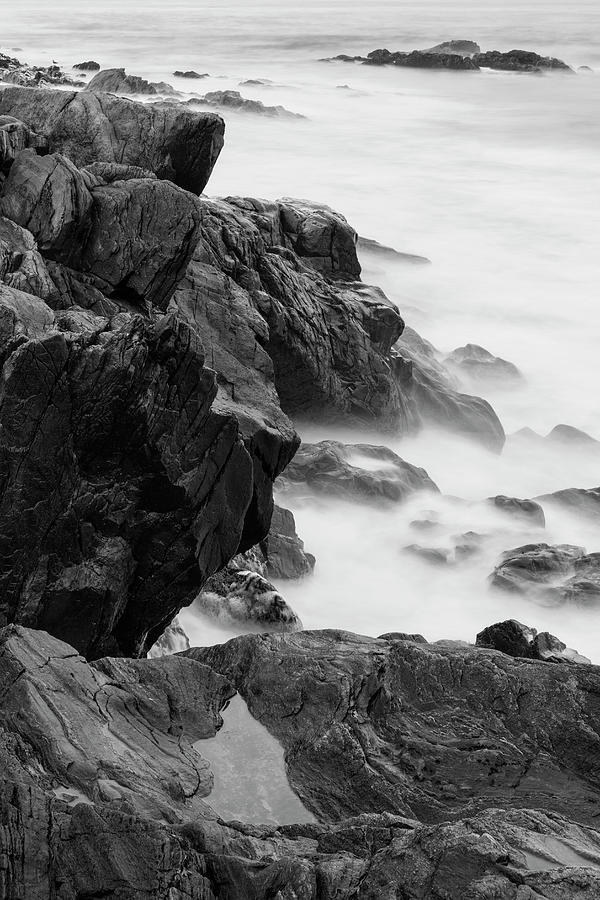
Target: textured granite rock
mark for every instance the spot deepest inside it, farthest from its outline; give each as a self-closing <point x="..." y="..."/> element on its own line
<point x="519" y="640"/>
<point x="88" y="127"/>
<point x="519" y="61"/>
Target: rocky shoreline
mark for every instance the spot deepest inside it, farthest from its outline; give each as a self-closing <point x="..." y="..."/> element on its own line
<point x="158" y="350"/>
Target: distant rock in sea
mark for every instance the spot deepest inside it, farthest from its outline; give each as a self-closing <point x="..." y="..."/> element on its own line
<point x="189" y="74"/>
<point x="116" y="81"/>
<point x="478" y="364"/>
<point x="234" y="100"/>
<point x="89" y="66"/>
<point x="458" y="48"/>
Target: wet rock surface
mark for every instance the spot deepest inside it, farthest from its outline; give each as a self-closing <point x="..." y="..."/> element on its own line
<point x="237" y="595"/>
<point x="518" y="640"/>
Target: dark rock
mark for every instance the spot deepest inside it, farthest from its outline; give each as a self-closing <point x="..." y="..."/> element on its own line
<point x="88" y="127"/>
<point x="116" y="81"/>
<point x="554" y="574"/>
<point x="327" y="468"/>
<point x="459" y="48"/>
<point x="89" y="66"/>
<point x="325" y="339"/>
<point x="422" y="59"/>
<point x="438" y="556"/>
<point x="235" y="596"/>
<point x="519" y="61"/>
<point x="14" y="137"/>
<point x="479" y="364"/>
<point x="135" y="237"/>
<point x="510" y="637"/>
<point x="518" y="640"/>
<point x="189" y="74"/>
<point x="371" y="246"/>
<point x="283" y="550"/>
<point x="521" y="509"/>
<point x="234" y="100"/>
<point x="116" y="800"/>
<point x="583" y="501"/>
<point x="420" y="730"/>
<point x="172" y="640"/>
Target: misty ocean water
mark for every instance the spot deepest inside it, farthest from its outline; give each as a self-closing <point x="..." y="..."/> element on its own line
<point x="493" y="176"/>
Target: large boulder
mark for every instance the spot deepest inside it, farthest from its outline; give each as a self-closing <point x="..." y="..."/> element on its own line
<point x="526" y="510"/>
<point x="477" y="364"/>
<point x="353" y="471"/>
<point x="176" y="144"/>
<point x="245" y="599"/>
<point x="518" y="640"/>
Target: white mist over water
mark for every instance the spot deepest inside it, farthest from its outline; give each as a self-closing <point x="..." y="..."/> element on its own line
<point x="493" y="176"/>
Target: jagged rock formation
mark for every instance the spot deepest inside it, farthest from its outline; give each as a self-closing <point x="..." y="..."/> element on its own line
<point x="12" y="71"/>
<point x="421" y="59"/>
<point x="551" y="574"/>
<point x="127" y="481"/>
<point x="354" y="471"/>
<point x="88" y="127"/>
<point x="104" y="788"/>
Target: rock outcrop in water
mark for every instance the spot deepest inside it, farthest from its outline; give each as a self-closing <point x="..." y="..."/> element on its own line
<point x="459" y="56"/>
<point x="550" y="574"/>
<point x="116" y="81"/>
<point x="354" y="471"/>
<point x="88" y="127"/>
<point x="518" y="640"/>
<point x="234" y="100"/>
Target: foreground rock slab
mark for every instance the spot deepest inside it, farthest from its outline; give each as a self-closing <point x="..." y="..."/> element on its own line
<point x="103" y="794"/>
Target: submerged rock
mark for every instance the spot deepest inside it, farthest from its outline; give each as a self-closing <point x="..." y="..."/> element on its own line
<point x="234" y="100"/>
<point x="438" y="556"/>
<point x="354" y="471"/>
<point x="477" y="363"/>
<point x="88" y="127"/>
